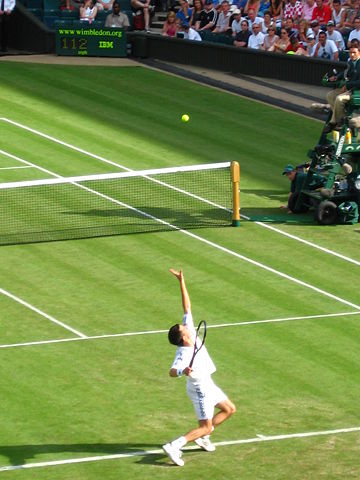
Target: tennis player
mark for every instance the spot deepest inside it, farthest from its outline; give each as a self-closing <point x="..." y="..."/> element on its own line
<point x="201" y="389"/>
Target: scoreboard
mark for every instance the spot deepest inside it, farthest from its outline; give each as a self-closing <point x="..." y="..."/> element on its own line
<point x="90" y="41"/>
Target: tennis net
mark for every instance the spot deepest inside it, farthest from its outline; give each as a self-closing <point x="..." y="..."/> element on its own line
<point x="114" y="204"/>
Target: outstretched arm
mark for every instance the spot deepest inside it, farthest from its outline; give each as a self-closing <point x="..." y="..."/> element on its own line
<point x="184" y="293"/>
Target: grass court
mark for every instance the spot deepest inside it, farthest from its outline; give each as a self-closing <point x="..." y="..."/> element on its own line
<point x="84" y="352"/>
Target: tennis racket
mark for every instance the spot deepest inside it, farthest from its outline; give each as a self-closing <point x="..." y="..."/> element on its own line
<point x="199" y="340"/>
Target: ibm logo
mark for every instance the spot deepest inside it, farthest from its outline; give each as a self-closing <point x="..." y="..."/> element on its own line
<point x="103" y="44"/>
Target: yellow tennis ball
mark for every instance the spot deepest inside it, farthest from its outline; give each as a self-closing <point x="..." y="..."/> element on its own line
<point x="185" y="118"/>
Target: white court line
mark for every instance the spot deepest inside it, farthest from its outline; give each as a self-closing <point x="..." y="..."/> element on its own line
<point x="29" y="164"/>
<point x="142" y="453"/>
<point x="40" y="312"/>
<point x="15" y="168"/>
<point x="153" y="332"/>
<point x="102" y="159"/>
<point x="204" y="240"/>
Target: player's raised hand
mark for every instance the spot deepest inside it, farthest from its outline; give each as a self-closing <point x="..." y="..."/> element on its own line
<point x="178" y="275"/>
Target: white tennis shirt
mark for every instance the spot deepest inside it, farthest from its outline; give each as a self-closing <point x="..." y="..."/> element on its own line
<point x="203" y="367"/>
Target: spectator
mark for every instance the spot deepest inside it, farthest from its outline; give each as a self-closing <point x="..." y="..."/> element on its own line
<point x="315" y="27"/>
<point x="240" y="4"/>
<point x="338" y="97"/>
<point x="303" y="31"/>
<point x="270" y="39"/>
<point x="237" y="22"/>
<point x="326" y="48"/>
<point x="141" y="9"/>
<point x="296" y="47"/>
<point x="170" y="28"/>
<point x="233" y="7"/>
<point x="338" y="14"/>
<point x="351" y="13"/>
<point x="275" y="9"/>
<point x="322" y="12"/>
<point x="252" y="5"/>
<point x="335" y="35"/>
<point x="310" y="43"/>
<point x="222" y="24"/>
<point x="242" y="37"/>
<point x="189" y="32"/>
<point x="252" y="18"/>
<point x="308" y="9"/>
<point x="290" y="27"/>
<point x="256" y="39"/>
<point x="354" y="33"/>
<point x="6" y="10"/>
<point x="197" y="9"/>
<point x="70" y="5"/>
<point x="185" y="12"/>
<point x="106" y="5"/>
<point x="283" y="42"/>
<point x="218" y="7"/>
<point x="88" y="11"/>
<point x="267" y="22"/>
<point x="293" y="9"/>
<point x="117" y="18"/>
<point x="208" y="17"/>
<point x="264" y="7"/>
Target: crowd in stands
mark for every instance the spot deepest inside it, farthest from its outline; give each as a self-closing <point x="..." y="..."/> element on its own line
<point x="316" y="28"/>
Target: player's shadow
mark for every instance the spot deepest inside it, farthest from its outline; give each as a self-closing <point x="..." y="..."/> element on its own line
<point x="150" y="454"/>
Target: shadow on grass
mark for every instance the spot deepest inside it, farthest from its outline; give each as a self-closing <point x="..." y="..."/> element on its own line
<point x="278" y="195"/>
<point x="147" y="453"/>
<point x="105" y="222"/>
<point x="277" y="215"/>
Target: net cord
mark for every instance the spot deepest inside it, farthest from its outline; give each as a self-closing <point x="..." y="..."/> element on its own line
<point x="109" y="176"/>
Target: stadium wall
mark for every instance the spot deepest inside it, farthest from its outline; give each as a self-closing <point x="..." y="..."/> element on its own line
<point x="28" y="34"/>
<point x="291" y="68"/>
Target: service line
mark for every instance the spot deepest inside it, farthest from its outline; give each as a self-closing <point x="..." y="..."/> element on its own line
<point x="153" y="332"/>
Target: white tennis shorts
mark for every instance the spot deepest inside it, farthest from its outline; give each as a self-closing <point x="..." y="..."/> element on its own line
<point x="204" y="396"/>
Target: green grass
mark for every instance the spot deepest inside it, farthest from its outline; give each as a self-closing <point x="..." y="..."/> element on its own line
<point x="104" y="396"/>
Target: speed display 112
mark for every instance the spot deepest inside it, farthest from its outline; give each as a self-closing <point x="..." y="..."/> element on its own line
<point x="90" y="41"/>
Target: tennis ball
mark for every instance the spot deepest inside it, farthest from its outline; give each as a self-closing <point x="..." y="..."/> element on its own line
<point x="290" y="52"/>
<point x="185" y="118"/>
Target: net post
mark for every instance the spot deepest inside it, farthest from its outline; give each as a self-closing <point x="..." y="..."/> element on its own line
<point x="235" y="180"/>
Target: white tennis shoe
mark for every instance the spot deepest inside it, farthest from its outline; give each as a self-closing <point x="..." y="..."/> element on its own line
<point x="174" y="453"/>
<point x="205" y="443"/>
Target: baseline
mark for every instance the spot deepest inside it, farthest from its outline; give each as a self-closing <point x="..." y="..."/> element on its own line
<point x="259" y="439"/>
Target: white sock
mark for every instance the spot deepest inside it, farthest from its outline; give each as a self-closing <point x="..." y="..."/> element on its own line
<point x="179" y="442"/>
